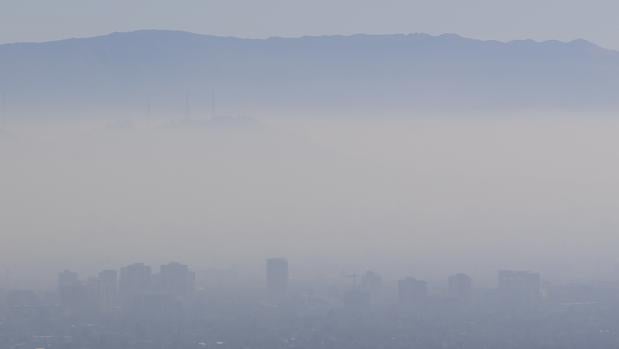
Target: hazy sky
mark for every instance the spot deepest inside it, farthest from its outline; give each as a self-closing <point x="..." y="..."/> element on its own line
<point x="423" y="197"/>
<point x="41" y="20"/>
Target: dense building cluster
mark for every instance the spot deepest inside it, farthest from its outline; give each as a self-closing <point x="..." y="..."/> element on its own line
<point x="176" y="308"/>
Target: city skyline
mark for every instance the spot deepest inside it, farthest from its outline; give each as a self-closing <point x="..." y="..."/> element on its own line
<point x="180" y="279"/>
<point x="139" y="306"/>
<point x="309" y="174"/>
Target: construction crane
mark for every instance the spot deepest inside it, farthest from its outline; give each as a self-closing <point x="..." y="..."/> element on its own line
<point x="354" y="277"/>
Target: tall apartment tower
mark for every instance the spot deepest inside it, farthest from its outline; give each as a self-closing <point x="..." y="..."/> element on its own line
<point x="134" y="279"/>
<point x="70" y="289"/>
<point x="519" y="286"/>
<point x="460" y="287"/>
<point x="177" y="279"/>
<point x="277" y="276"/>
<point x="412" y="291"/>
<point x="107" y="289"/>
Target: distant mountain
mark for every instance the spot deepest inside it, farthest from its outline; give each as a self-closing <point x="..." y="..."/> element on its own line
<point x="158" y="72"/>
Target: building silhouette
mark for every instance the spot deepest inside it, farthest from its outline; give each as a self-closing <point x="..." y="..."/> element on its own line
<point x="107" y="289"/>
<point x="277" y="276"/>
<point x="134" y="279"/>
<point x="412" y="291"/>
<point x="519" y="286"/>
<point x="176" y="279"/>
<point x="460" y="287"/>
<point x="71" y="291"/>
<point x="371" y="281"/>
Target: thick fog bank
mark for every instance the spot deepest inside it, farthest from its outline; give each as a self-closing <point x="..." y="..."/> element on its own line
<point x="422" y="197"/>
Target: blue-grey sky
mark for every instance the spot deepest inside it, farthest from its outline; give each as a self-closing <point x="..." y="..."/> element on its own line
<point x="42" y="20"/>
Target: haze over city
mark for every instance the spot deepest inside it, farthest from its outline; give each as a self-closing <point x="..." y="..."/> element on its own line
<point x="308" y="174"/>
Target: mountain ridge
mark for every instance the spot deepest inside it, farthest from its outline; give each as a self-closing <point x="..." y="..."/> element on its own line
<point x="127" y="71"/>
<point x="579" y="41"/>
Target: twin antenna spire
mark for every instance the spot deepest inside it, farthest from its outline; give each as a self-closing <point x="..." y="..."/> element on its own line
<point x="2" y="110"/>
<point x="187" y="107"/>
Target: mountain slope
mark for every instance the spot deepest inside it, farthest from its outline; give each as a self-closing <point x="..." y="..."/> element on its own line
<point x="167" y="70"/>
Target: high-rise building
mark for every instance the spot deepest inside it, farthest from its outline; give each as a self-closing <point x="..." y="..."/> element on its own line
<point x="107" y="289"/>
<point x="176" y="279"/>
<point x="371" y="281"/>
<point x="67" y="279"/>
<point x="134" y="279"/>
<point x="412" y="291"/>
<point x="277" y="276"/>
<point x="70" y="290"/>
<point x="460" y="286"/>
<point x="519" y="286"/>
